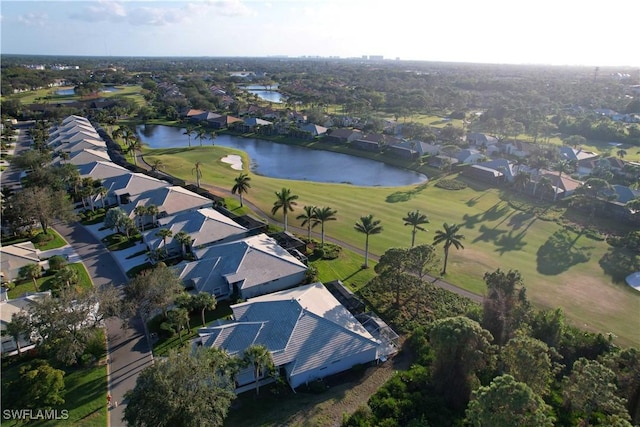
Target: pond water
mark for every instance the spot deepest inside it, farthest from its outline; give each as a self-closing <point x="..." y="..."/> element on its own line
<point x="291" y="162"/>
<point x="268" y="95"/>
<point x="72" y="91"/>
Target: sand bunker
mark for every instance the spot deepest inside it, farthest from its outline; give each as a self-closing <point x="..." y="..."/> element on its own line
<point x="234" y="160"/>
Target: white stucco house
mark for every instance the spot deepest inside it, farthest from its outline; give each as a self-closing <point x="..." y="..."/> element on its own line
<point x="14" y="257"/>
<point x="309" y="333"/>
<point x="7" y="309"/>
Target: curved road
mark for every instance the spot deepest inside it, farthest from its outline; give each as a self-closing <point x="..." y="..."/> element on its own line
<point x="128" y="350"/>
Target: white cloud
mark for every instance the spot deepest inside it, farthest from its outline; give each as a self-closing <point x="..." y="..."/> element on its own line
<point x="34" y="19"/>
<point x="100" y="11"/>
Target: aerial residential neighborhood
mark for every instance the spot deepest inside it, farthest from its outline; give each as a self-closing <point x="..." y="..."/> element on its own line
<point x="469" y="234"/>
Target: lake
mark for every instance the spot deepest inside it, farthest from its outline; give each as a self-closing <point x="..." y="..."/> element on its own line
<point x="291" y="162"/>
<point x="262" y="92"/>
<point x="72" y="91"/>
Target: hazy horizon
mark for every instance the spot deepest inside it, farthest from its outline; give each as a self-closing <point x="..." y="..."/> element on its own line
<point x="556" y="33"/>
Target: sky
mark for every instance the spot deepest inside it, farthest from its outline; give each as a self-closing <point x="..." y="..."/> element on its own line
<point x="555" y="32"/>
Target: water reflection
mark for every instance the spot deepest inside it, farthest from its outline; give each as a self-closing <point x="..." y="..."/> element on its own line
<point x="292" y="162"/>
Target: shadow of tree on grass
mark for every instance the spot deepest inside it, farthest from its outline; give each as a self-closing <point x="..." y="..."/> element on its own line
<point x="404" y="196"/>
<point x="560" y="252"/>
<point x="619" y="263"/>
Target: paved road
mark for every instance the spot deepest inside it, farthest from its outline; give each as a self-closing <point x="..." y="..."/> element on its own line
<point x="128" y="349"/>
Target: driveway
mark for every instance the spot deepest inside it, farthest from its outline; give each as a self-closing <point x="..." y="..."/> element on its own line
<point x="128" y="350"/>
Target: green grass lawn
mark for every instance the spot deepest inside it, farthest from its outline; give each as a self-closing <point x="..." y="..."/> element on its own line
<point x="44" y="283"/>
<point x="119" y="241"/>
<point x="49" y="95"/>
<point x="85" y="397"/>
<point x="51" y="240"/>
<point x="498" y="234"/>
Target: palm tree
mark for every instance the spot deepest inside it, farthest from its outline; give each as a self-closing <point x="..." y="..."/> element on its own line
<point x="164" y="233"/>
<point x="103" y="191"/>
<point x="286" y="202"/>
<point x="323" y="215"/>
<point x="259" y="357"/>
<point x="621" y="153"/>
<point x="241" y="186"/>
<point x="153" y="211"/>
<point x="521" y="181"/>
<point x="415" y="219"/>
<point x="184" y="239"/>
<point x="309" y="219"/>
<point x="198" y="172"/>
<point x="19" y="326"/>
<point x="545" y="186"/>
<point x="134" y="147"/>
<point x="204" y="301"/>
<point x="449" y="236"/>
<point x="188" y="131"/>
<point x="156" y="165"/>
<point x="368" y="226"/>
<point x="212" y="137"/>
<point x="140" y="212"/>
<point x="563" y="166"/>
<point x="31" y="271"/>
<point x="201" y="133"/>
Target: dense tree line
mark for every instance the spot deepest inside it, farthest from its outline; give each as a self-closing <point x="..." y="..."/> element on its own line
<point x="500" y="364"/>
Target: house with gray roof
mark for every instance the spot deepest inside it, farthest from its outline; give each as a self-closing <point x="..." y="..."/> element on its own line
<point x="249" y="267"/>
<point x="120" y="188"/>
<point x="481" y="139"/>
<point x="84" y="156"/>
<point x="101" y="169"/>
<point x="314" y="130"/>
<point x="342" y="135"/>
<point x="170" y="200"/>
<point x="205" y="226"/>
<point x="575" y="154"/>
<point x="309" y="334"/>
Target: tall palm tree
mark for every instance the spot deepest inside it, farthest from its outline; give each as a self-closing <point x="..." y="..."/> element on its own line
<point x="448" y="236"/>
<point x="201" y="133"/>
<point x="184" y="239"/>
<point x="212" y="137"/>
<point x="241" y="186"/>
<point x="621" y="153"/>
<point x="31" y="271"/>
<point x="19" y="326"/>
<point x="323" y="215"/>
<point x="198" y="172"/>
<point x="309" y="219"/>
<point x="563" y="166"/>
<point x="140" y="212"/>
<point x="368" y="226"/>
<point x="415" y="219"/>
<point x="521" y="181"/>
<point x="156" y="165"/>
<point x="285" y="201"/>
<point x="544" y="186"/>
<point x="134" y="147"/>
<point x="259" y="357"/>
<point x="188" y="131"/>
<point x="153" y="211"/>
<point x="164" y="234"/>
<point x="103" y="191"/>
<point x="204" y="301"/>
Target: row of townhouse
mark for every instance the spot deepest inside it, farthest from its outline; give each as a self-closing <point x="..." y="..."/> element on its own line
<point x="308" y="331"/>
